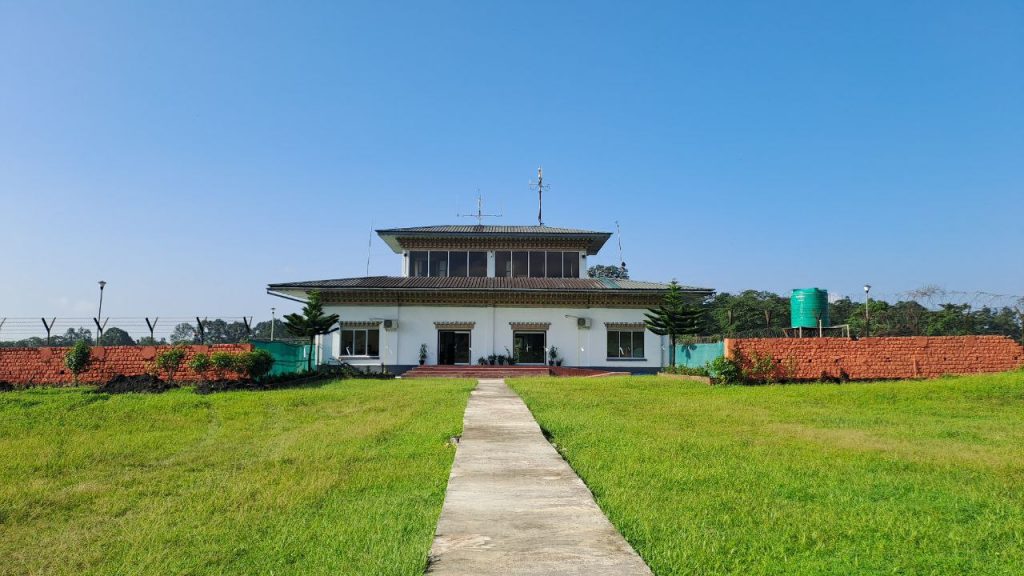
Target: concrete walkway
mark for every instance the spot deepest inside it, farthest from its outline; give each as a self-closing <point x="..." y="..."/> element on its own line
<point x="515" y="507"/>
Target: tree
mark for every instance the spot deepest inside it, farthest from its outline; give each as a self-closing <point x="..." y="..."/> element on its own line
<point x="311" y="323"/>
<point x="115" y="336"/>
<point x="183" y="333"/>
<point x="675" y="317"/>
<point x="218" y="331"/>
<point x="610" y="271"/>
<point x="261" y="331"/>
<point x="78" y="359"/>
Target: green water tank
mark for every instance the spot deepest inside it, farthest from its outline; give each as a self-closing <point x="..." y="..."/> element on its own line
<point x="805" y="307"/>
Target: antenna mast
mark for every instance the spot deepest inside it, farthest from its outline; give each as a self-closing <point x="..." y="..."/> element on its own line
<point x="479" y="211"/>
<point x="618" y="233"/>
<point x="540" y="195"/>
<point x="369" y="248"/>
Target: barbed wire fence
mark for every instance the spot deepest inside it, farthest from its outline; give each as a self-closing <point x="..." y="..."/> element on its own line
<point x="131" y="330"/>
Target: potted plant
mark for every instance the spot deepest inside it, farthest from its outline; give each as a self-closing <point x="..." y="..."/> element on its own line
<point x="492" y="359"/>
<point x="423" y="354"/>
<point x="552" y="355"/>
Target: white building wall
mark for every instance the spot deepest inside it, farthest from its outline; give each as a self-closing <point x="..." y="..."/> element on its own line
<point x="491" y="333"/>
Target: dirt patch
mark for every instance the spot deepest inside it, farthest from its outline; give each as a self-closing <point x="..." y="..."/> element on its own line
<point x="145" y="383"/>
<point x="211" y="386"/>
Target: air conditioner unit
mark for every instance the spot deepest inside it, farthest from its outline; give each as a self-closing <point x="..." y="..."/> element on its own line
<point x="583" y="322"/>
<point x="391" y="324"/>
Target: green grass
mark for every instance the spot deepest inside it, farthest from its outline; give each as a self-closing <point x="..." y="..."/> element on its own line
<point x="908" y="477"/>
<point x="347" y="478"/>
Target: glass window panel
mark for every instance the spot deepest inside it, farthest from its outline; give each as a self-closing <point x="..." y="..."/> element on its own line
<point x="537" y="264"/>
<point x="503" y="264"/>
<point x="571" y="264"/>
<point x="520" y="264"/>
<point x="438" y="263"/>
<point x="417" y="263"/>
<point x="625" y="345"/>
<point x="478" y="264"/>
<point x="346" y="343"/>
<point x="359" y="349"/>
<point x="613" y="344"/>
<point x="554" y="264"/>
<point x="373" y="342"/>
<point x="638" y="344"/>
<point x="458" y="264"/>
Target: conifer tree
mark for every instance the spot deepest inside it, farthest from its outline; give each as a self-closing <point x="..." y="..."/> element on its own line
<point x="675" y="317"/>
<point x="311" y="323"/>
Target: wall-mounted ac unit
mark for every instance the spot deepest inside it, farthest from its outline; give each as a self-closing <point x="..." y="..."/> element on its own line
<point x="583" y="322"/>
<point x="391" y="324"/>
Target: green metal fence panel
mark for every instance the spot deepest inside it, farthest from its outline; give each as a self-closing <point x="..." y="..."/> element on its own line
<point x="288" y="358"/>
<point x="697" y="355"/>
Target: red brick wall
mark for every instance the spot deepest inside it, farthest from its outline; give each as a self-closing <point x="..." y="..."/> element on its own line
<point x="880" y="358"/>
<point x="45" y="366"/>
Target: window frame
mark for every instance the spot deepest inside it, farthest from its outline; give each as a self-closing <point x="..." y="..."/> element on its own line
<point x="366" y="342"/>
<point x="634" y="336"/>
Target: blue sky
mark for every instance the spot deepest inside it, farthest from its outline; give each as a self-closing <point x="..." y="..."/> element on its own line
<point x="190" y="153"/>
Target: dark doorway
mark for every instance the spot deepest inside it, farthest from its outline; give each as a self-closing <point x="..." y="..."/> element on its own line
<point x="529" y="347"/>
<point x="452" y="347"/>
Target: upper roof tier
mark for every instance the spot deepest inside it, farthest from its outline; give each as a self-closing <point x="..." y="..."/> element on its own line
<point x="492" y="237"/>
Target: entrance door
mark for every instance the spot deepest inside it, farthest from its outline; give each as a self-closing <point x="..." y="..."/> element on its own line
<point x="452" y="347"/>
<point x="529" y="347"/>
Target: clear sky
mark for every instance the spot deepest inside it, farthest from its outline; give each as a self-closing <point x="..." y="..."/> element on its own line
<point x="189" y="153"/>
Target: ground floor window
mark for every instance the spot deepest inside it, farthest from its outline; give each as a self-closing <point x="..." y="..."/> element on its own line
<point x="360" y="342"/>
<point x="625" y="344"/>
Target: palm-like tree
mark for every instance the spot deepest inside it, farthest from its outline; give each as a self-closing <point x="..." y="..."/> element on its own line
<point x="311" y="323"/>
<point x="675" y="317"/>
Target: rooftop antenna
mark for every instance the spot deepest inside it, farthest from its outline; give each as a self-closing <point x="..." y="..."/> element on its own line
<point x="541" y="187"/>
<point x="369" y="248"/>
<point x="618" y="233"/>
<point x="479" y="211"/>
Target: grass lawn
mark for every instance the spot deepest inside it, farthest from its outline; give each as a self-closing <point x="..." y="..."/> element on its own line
<point x="921" y="477"/>
<point x="346" y="478"/>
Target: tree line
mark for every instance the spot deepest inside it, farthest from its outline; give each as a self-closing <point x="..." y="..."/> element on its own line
<point x="215" y="331"/>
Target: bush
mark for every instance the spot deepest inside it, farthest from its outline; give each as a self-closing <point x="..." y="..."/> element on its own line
<point x="200" y="363"/>
<point x="170" y="360"/>
<point x="686" y="370"/>
<point x="725" y="371"/>
<point x="255" y="364"/>
<point x="224" y="362"/>
<point x="78" y="359"/>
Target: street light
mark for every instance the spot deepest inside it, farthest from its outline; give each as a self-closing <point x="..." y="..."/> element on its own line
<point x="273" y="320"/>
<point x="867" y="310"/>
<point x="99" y="314"/>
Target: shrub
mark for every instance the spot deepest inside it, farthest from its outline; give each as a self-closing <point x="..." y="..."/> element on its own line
<point x="686" y="370"/>
<point x="78" y="359"/>
<point x="725" y="371"/>
<point x="170" y="360"/>
<point x="200" y="363"/>
<point x="761" y="369"/>
<point x="224" y="362"/>
<point x="255" y="364"/>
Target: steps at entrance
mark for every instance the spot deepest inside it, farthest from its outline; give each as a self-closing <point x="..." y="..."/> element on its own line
<point x="437" y="371"/>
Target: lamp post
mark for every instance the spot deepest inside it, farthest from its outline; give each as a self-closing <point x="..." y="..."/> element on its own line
<point x="867" y="310"/>
<point x="99" y="314"/>
<point x="273" y="320"/>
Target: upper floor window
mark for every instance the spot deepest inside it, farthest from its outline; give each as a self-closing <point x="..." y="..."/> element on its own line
<point x="536" y="264"/>
<point x="443" y="263"/>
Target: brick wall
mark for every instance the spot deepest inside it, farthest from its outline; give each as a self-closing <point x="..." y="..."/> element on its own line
<point x="881" y="358"/>
<point x="45" y="366"/>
